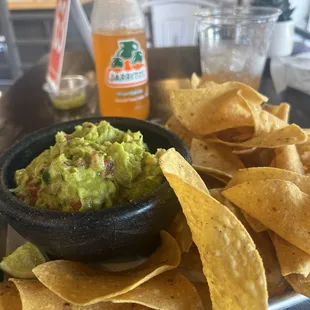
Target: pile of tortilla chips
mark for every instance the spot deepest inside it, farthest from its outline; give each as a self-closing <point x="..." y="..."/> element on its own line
<point x="243" y="233"/>
<point x="65" y="285"/>
<point x="255" y="166"/>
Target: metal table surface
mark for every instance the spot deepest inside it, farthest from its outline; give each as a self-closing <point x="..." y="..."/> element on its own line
<point x="26" y="107"/>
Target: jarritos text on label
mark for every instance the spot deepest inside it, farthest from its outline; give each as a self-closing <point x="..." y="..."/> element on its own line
<point x="128" y="66"/>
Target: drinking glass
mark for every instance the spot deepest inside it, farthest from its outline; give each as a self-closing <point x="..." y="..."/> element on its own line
<point x="234" y="43"/>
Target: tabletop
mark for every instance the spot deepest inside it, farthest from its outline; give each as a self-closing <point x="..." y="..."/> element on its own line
<point x="26" y="107"/>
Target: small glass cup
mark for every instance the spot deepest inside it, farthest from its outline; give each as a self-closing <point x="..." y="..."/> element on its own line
<point x="234" y="43"/>
<point x="72" y="92"/>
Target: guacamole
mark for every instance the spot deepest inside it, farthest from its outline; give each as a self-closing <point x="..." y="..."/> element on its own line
<point x="95" y="167"/>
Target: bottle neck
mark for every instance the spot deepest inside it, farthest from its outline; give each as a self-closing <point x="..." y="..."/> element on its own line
<point x="117" y="15"/>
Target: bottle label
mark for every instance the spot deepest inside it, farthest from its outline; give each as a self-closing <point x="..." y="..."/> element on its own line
<point x="127" y="67"/>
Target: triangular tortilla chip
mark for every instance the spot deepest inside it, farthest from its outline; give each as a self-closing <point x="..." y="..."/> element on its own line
<point x="291" y="134"/>
<point x="282" y="111"/>
<point x="291" y="259"/>
<point x="279" y="205"/>
<point x="299" y="283"/>
<point x="287" y="157"/>
<point x="175" y="126"/>
<point x="219" y="237"/>
<point x="215" y="156"/>
<point x="275" y="282"/>
<point x="180" y="231"/>
<point x="214" y="108"/>
<point x="265" y="173"/>
<point x="35" y="296"/>
<point x="86" y="284"/>
<point x="168" y="291"/>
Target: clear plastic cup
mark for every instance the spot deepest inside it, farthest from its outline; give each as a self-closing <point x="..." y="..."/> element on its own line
<point x="71" y="94"/>
<point x="234" y="43"/>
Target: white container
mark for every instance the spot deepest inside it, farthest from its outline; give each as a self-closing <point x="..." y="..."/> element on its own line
<point x="282" y="39"/>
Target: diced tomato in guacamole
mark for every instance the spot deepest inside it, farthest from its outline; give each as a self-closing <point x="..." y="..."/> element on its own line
<point x="95" y="167"/>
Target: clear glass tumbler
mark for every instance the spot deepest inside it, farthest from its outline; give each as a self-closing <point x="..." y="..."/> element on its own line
<point x="234" y="43"/>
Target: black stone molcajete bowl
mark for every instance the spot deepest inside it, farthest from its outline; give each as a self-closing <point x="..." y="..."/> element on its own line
<point x="132" y="228"/>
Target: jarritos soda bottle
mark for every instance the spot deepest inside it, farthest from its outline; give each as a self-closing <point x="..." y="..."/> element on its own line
<point x="120" y="56"/>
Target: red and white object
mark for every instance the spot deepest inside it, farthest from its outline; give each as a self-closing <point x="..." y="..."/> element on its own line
<point x="60" y="28"/>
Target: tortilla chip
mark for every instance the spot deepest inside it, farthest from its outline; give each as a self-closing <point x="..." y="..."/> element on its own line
<point x="257" y="158"/>
<point x="9" y="297"/>
<point x="210" y="180"/>
<point x="251" y="174"/>
<point x="215" y="156"/>
<point x="299" y="283"/>
<point x="304" y="153"/>
<point x="195" y="81"/>
<point x="276" y="284"/>
<point x="291" y="259"/>
<point x="256" y="225"/>
<point x="191" y="265"/>
<point x="180" y="231"/>
<point x="35" y="296"/>
<point x="214" y="108"/>
<point x="204" y="293"/>
<point x="219" y="237"/>
<point x="240" y="214"/>
<point x="175" y="126"/>
<point x="291" y="134"/>
<point x="287" y="158"/>
<point x="86" y="284"/>
<point x="169" y="291"/>
<point x="238" y="134"/>
<point x="216" y="174"/>
<point x="191" y="175"/>
<point x="279" y="205"/>
<point x="216" y="193"/>
<point x="282" y="111"/>
<point x="264" y="122"/>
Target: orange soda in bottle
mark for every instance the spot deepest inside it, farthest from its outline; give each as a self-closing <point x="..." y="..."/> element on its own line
<point x="119" y="40"/>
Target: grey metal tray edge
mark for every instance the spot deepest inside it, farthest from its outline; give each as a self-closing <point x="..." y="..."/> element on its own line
<point x="287" y="300"/>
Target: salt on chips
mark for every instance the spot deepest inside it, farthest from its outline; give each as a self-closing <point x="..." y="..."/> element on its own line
<point x="85" y="284"/>
<point x="279" y="205"/>
<point x="219" y="237"/>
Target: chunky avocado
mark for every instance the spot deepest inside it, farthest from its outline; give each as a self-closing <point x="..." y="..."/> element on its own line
<point x="95" y="167"/>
